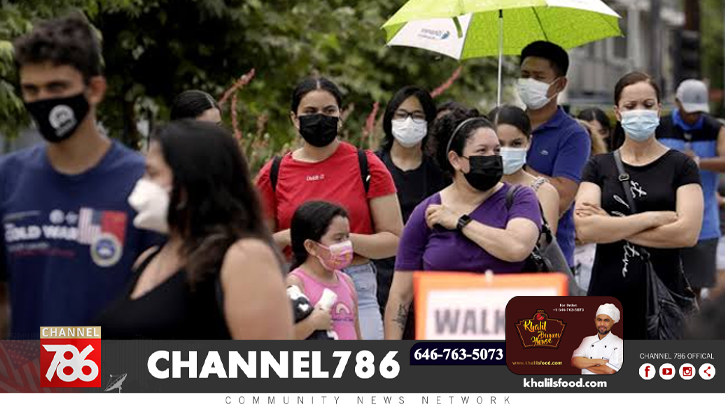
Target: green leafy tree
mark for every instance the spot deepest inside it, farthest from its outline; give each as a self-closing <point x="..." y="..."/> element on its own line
<point x="155" y="49"/>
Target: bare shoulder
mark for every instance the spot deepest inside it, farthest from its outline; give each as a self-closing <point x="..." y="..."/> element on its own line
<point x="249" y="249"/>
<point x="143" y="257"/>
<point x="292" y="279"/>
<point x="547" y="190"/>
<point x="250" y="254"/>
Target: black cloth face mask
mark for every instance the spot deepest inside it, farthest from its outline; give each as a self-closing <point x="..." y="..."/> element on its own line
<point x="318" y="129"/>
<point x="57" y="119"/>
<point x="485" y="171"/>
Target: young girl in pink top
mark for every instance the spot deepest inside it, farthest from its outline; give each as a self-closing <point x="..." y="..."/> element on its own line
<point x="320" y="235"/>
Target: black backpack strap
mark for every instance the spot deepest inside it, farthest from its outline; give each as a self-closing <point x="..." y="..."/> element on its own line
<point x="510" y="196"/>
<point x="362" y="160"/>
<point x="274" y="171"/>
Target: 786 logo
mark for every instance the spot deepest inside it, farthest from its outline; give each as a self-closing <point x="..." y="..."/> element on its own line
<point x="70" y="362"/>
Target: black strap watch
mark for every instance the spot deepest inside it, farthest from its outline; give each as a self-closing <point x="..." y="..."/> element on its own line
<point x="462" y="222"/>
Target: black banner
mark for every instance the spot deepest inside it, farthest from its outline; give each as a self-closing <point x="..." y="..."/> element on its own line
<point x="381" y="367"/>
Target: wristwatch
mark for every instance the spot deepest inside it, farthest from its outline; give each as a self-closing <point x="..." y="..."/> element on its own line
<point x="462" y="222"/>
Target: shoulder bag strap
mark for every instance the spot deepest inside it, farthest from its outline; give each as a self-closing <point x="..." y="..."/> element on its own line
<point x="624" y="179"/>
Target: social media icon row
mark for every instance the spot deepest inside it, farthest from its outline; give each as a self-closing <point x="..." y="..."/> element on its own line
<point x="667" y="371"/>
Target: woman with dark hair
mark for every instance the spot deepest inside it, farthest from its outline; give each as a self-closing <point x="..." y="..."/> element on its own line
<point x="514" y="133"/>
<point x="469" y="225"/>
<point x="451" y="105"/>
<point x="665" y="187"/>
<point x="195" y="104"/>
<point x="218" y="275"/>
<point x="326" y="168"/>
<point x="598" y="122"/>
<point x="321" y="247"/>
<point x="407" y="121"/>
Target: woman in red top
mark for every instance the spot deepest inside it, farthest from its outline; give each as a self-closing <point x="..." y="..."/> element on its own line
<point x="326" y="168"/>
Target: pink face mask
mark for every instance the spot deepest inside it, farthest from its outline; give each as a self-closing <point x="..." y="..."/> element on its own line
<point x="340" y="256"/>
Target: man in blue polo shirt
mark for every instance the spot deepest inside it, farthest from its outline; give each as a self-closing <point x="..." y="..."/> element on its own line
<point x="560" y="147"/>
<point x="69" y="243"/>
<point x="689" y="128"/>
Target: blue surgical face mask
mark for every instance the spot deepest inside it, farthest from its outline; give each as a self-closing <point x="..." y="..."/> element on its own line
<point x="513" y="159"/>
<point x="640" y="125"/>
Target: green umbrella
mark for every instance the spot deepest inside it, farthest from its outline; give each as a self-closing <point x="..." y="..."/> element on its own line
<point x="465" y="29"/>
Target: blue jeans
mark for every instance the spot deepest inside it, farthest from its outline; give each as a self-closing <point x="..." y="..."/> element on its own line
<point x="368" y="310"/>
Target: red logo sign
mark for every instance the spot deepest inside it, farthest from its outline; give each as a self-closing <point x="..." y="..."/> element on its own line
<point x="667" y="371"/>
<point x="70" y="357"/>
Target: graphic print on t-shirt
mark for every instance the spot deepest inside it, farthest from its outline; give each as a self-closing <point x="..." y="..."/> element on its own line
<point x="341" y="313"/>
<point x="42" y="233"/>
<point x="629" y="249"/>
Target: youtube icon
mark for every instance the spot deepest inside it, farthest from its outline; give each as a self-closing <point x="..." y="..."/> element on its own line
<point x="667" y="371"/>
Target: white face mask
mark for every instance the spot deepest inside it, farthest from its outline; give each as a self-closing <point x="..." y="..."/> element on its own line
<point x="640" y="125"/>
<point x="513" y="159"/>
<point x="533" y="92"/>
<point x="409" y="133"/>
<point x="151" y="201"/>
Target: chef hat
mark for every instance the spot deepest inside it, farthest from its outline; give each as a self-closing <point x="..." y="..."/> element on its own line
<point x="609" y="309"/>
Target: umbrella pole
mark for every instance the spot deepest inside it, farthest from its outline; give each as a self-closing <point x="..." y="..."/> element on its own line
<point x="500" y="54"/>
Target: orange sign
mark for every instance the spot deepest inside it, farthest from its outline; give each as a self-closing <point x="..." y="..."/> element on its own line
<point x="471" y="306"/>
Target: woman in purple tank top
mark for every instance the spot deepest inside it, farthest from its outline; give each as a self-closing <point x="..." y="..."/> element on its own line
<point x="320" y="235"/>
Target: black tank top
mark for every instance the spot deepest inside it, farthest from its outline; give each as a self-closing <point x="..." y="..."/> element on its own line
<point x="172" y="310"/>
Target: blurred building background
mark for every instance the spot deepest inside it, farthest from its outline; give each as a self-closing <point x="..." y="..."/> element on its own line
<point x="662" y="38"/>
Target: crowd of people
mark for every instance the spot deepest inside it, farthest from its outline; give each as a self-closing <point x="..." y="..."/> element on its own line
<point x="183" y="242"/>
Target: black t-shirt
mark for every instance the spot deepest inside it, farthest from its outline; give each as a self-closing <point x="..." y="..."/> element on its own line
<point x="415" y="185"/>
<point x="618" y="268"/>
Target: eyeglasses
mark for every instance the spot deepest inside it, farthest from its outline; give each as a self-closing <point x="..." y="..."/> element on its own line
<point x="418" y="117"/>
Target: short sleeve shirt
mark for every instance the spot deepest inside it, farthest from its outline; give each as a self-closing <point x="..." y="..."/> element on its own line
<point x="561" y="148"/>
<point x="336" y="179"/>
<point x="414" y="185"/>
<point x="68" y="244"/>
<point x="440" y="249"/>
<point x="618" y="269"/>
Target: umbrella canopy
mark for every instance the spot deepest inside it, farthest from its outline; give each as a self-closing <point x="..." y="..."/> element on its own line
<point x="465" y="29"/>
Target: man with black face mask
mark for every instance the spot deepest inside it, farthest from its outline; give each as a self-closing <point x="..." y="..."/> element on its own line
<point x="69" y="244"/>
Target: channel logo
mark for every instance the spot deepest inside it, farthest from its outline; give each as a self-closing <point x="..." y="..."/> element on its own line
<point x="647" y="371"/>
<point x="70" y="356"/>
<point x="667" y="371"/>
